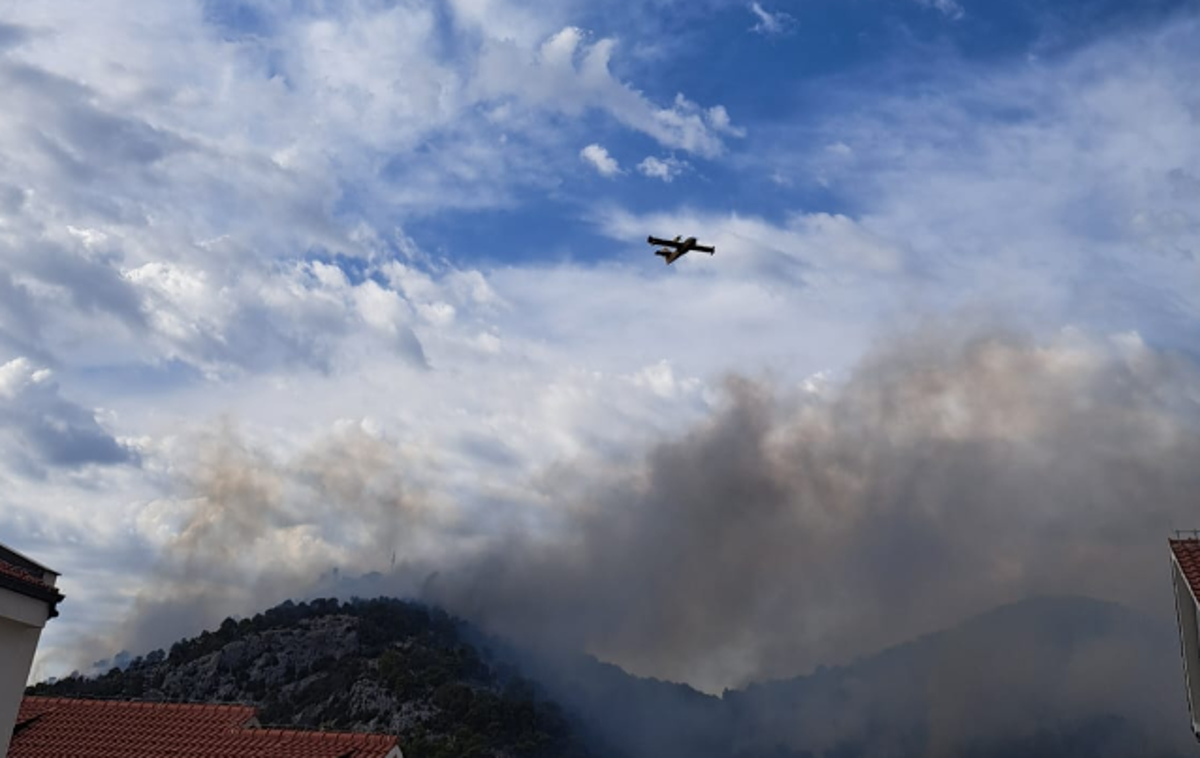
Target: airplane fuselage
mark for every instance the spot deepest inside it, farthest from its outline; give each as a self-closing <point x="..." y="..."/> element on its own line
<point x="673" y="250"/>
<point x="684" y="247"/>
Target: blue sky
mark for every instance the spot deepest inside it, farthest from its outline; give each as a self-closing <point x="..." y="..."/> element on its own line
<point x="256" y="231"/>
<point x="825" y="60"/>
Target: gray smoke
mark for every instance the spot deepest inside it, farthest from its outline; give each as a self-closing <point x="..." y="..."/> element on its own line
<point x="254" y="529"/>
<point x="949" y="474"/>
<point x="951" y="471"/>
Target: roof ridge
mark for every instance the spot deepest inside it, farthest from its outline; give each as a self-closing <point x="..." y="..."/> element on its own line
<point x="22" y="557"/>
<point x="127" y="702"/>
<point x="23" y="581"/>
<point x="328" y="734"/>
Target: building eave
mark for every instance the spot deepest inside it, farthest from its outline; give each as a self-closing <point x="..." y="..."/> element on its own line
<point x="17" y="558"/>
<point x="35" y="590"/>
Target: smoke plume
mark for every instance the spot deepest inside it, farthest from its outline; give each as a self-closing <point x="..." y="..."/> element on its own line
<point x="250" y="529"/>
<point x="950" y="472"/>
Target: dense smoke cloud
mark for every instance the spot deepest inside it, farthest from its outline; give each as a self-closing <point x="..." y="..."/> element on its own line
<point x="950" y="472"/>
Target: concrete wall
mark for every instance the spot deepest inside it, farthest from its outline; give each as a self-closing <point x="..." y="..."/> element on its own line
<point x="21" y="622"/>
<point x="1188" y="615"/>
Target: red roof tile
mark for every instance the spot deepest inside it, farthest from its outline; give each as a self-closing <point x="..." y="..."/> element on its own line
<point x="1187" y="553"/>
<point x="18" y="579"/>
<point x="57" y="727"/>
<point x="20" y="573"/>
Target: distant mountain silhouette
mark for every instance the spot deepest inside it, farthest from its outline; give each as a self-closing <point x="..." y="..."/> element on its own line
<point x="1048" y="676"/>
<point x="1061" y="677"/>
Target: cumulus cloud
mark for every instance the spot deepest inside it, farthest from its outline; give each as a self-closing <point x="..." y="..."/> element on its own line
<point x="665" y="169"/>
<point x="523" y="22"/>
<point x="43" y="429"/>
<point x="1058" y="212"/>
<point x="599" y="159"/>
<point x="718" y="118"/>
<point x="165" y="261"/>
<point x="771" y="24"/>
<point x="304" y="313"/>
<point x="570" y="75"/>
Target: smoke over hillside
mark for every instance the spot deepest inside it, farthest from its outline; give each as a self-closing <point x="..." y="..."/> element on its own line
<point x="950" y="472"/>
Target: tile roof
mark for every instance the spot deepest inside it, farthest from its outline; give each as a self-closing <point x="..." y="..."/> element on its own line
<point x="1187" y="553"/>
<point x="56" y="727"/>
<point x="22" y="580"/>
<point x="9" y="555"/>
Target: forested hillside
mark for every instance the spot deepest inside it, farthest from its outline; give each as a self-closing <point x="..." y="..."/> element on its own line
<point x="1043" y="678"/>
<point x="376" y="665"/>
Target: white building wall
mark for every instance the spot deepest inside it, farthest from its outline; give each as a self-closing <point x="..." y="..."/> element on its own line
<point x="1188" y="614"/>
<point x="21" y="622"/>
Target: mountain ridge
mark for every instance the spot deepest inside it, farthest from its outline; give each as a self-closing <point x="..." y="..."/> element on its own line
<point x="1040" y="676"/>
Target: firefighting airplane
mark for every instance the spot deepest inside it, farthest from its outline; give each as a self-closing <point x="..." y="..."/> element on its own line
<point x="675" y="249"/>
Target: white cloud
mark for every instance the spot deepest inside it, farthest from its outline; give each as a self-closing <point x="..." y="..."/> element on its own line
<point x="772" y="24"/>
<point x="840" y="238"/>
<point x="42" y="429"/>
<point x="298" y="314"/>
<point x="950" y="8"/>
<point x="829" y="250"/>
<point x="1057" y="211"/>
<point x="660" y="378"/>
<point x="718" y="119"/>
<point x="665" y="169"/>
<point x="521" y="22"/>
<point x="568" y="75"/>
<point x="376" y="76"/>
<point x="154" y="227"/>
<point x="599" y="159"/>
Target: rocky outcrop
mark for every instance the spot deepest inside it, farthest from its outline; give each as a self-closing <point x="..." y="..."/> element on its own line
<point x="373" y="666"/>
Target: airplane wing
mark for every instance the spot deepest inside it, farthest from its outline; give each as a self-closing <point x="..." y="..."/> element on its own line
<point x="702" y="249"/>
<point x="657" y="241"/>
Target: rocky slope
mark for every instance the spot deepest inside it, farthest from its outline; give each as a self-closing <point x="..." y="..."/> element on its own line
<point x="379" y="665"/>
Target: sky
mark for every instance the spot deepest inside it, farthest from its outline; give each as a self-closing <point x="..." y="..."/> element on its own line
<point x="297" y="290"/>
